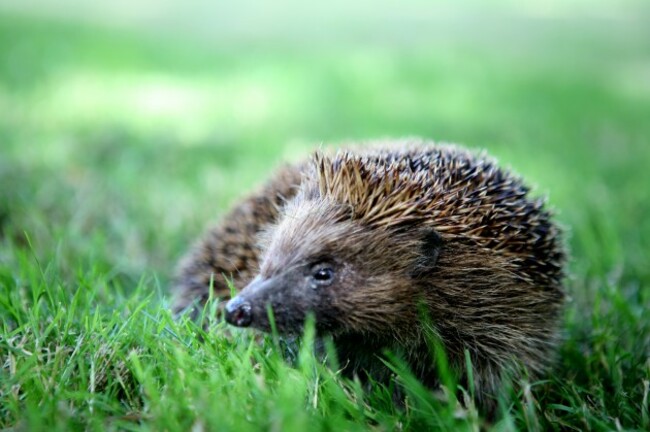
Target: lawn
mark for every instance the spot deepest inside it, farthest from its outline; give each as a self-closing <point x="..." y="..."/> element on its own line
<point x="124" y="133"/>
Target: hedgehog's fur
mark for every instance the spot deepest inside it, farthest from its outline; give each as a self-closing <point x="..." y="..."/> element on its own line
<point x="230" y="249"/>
<point x="404" y="228"/>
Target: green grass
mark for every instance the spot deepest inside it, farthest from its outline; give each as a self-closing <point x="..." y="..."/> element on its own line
<point x="118" y="146"/>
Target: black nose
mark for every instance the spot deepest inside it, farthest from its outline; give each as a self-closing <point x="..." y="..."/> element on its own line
<point x="238" y="312"/>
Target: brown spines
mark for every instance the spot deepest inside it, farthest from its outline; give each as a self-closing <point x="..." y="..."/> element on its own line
<point x="457" y="193"/>
<point x="380" y="196"/>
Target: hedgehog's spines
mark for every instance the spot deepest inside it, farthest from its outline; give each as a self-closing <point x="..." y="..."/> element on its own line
<point x="458" y="193"/>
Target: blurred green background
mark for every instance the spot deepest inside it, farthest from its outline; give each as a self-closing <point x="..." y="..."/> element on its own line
<point x="126" y="127"/>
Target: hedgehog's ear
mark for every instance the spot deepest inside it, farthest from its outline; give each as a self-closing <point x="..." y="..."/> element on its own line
<point x="430" y="246"/>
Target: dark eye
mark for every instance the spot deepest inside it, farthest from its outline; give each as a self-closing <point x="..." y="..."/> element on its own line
<point x="322" y="274"/>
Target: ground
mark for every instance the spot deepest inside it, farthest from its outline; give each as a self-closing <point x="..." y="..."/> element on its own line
<point x="125" y="130"/>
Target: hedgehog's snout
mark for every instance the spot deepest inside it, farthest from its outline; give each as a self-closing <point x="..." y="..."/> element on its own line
<point x="239" y="312"/>
<point x="283" y="299"/>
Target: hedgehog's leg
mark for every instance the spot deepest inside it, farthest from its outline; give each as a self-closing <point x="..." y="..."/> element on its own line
<point x="229" y="249"/>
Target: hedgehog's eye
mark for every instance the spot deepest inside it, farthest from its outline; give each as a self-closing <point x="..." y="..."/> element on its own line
<point x="322" y="274"/>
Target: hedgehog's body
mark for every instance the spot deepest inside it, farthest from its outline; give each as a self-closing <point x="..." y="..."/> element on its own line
<point x="368" y="240"/>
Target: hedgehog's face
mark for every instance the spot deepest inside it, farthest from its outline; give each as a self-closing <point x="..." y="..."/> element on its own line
<point x="290" y="295"/>
<point x="352" y="278"/>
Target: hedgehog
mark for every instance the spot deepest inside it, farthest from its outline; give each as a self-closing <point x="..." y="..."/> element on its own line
<point x="385" y="246"/>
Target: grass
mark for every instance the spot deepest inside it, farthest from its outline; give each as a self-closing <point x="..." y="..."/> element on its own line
<point x="118" y="146"/>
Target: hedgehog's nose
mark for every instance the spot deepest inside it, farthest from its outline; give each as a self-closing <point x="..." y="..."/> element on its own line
<point x="238" y="312"/>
